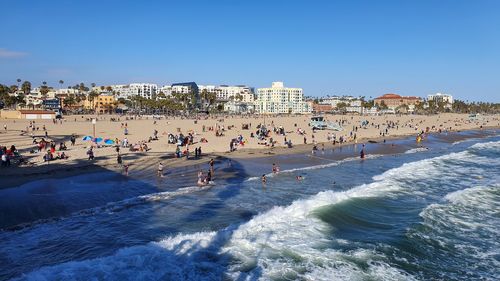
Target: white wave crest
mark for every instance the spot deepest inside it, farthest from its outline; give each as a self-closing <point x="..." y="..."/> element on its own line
<point x="415" y="150"/>
<point x="282" y="242"/>
<point x="315" y="167"/>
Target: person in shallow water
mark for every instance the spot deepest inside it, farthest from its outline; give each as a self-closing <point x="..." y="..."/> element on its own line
<point x="160" y="170"/>
<point x="263" y="179"/>
<point x="276" y="168"/>
<point x="362" y="153"/>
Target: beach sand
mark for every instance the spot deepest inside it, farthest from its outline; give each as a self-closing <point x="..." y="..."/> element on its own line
<point x="140" y="129"/>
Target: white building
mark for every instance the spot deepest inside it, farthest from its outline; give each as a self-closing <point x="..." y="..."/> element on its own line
<point x="279" y="99"/>
<point x="240" y="92"/>
<point x="180" y="89"/>
<point x="66" y="92"/>
<point x="226" y="93"/>
<point x="335" y="100"/>
<point x="439" y="97"/>
<point x="166" y="90"/>
<point x="239" y="107"/>
<point x="145" y="90"/>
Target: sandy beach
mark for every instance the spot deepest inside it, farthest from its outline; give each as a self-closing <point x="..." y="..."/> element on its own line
<point x="140" y="129"/>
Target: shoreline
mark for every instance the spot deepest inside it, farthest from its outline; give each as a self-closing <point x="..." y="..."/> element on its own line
<point x="148" y="161"/>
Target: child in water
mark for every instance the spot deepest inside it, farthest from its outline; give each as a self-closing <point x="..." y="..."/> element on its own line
<point x="263" y="178"/>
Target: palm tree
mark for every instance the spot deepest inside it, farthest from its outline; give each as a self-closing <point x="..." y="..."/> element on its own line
<point x="61" y="82"/>
<point x="18" y="82"/>
<point x="92" y="96"/>
<point x="26" y="87"/>
<point x="44" y="89"/>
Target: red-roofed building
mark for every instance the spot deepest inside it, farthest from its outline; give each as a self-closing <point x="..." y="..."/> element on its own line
<point x="394" y="100"/>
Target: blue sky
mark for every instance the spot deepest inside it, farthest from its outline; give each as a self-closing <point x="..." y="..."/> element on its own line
<point x="326" y="47"/>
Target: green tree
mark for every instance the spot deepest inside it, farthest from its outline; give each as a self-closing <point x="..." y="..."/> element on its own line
<point x="61" y="82"/>
<point x="13" y="89"/>
<point x="26" y="87"/>
<point x="69" y="101"/>
<point x="44" y="89"/>
<point x="92" y="97"/>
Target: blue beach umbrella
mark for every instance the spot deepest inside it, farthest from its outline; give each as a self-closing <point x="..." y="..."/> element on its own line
<point x="97" y="139"/>
<point x="86" y="138"/>
<point x="109" y="141"/>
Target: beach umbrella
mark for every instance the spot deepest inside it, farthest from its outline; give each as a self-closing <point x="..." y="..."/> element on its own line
<point x="109" y="141"/>
<point x="86" y="138"/>
<point x="97" y="139"/>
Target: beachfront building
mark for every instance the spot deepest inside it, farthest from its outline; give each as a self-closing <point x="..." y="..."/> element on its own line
<point x="239" y="107"/>
<point x="279" y="99"/>
<point x="187" y="88"/>
<point x="102" y="104"/>
<point x="145" y="90"/>
<point x="441" y="98"/>
<point x="164" y="92"/>
<point x="226" y="93"/>
<point x="66" y="91"/>
<point x="393" y="101"/>
<point x="322" y="108"/>
<point x="51" y="104"/>
<point x="27" y="114"/>
<point x="238" y="92"/>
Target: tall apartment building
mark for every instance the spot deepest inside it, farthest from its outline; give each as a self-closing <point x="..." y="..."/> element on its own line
<point x="227" y="93"/>
<point x="145" y="90"/>
<point x="279" y="99"/>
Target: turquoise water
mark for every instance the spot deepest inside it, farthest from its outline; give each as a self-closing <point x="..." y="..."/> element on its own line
<point x="427" y="214"/>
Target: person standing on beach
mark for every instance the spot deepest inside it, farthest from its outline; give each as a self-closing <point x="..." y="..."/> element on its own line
<point x="72" y="139"/>
<point x="160" y="170"/>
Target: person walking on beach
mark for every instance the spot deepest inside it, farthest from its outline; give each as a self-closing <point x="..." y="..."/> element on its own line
<point x="160" y="170"/>
<point x="90" y="153"/>
<point x="72" y="139"/>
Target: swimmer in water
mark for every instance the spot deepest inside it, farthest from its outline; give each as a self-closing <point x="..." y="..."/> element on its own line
<point x="263" y="178"/>
<point x="299" y="178"/>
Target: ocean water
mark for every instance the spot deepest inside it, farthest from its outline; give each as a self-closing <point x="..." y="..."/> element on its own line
<point x="424" y="214"/>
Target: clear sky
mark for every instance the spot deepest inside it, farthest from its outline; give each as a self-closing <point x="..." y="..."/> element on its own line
<point x="326" y="47"/>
